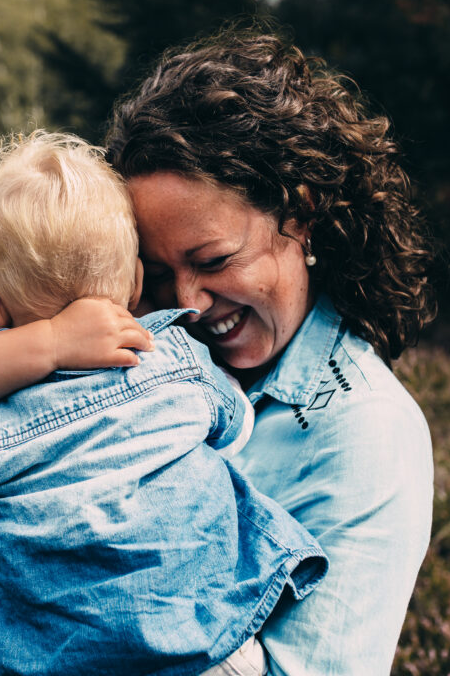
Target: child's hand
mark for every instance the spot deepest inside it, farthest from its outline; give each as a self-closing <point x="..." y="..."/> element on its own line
<point x="94" y="333"/>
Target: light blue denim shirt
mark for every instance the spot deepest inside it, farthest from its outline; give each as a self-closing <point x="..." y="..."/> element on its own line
<point x="344" y="448"/>
<point x="128" y="545"/>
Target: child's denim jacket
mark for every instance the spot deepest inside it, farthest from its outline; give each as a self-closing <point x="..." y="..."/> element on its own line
<point x="128" y="544"/>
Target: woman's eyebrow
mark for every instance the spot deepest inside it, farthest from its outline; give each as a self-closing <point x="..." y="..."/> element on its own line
<point x="191" y="252"/>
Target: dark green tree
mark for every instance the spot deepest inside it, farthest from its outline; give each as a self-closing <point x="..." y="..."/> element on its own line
<point x="146" y="28"/>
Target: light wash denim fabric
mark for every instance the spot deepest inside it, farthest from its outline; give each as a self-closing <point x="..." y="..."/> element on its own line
<point x="343" y="447"/>
<point x="128" y="545"/>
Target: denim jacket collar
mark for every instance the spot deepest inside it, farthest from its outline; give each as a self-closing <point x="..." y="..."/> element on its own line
<point x="297" y="374"/>
<point x="157" y="321"/>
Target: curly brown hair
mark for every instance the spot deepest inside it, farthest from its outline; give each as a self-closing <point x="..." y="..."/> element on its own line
<point x="250" y="111"/>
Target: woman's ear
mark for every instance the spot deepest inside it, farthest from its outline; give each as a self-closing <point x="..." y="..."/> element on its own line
<point x="5" y="317"/>
<point x="139" y="278"/>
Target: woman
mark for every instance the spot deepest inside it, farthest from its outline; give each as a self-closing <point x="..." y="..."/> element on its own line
<point x="268" y="198"/>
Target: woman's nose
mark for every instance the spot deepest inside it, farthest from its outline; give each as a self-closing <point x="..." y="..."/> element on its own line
<point x="190" y="293"/>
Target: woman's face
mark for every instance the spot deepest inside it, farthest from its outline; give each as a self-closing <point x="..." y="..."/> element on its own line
<point x="203" y="247"/>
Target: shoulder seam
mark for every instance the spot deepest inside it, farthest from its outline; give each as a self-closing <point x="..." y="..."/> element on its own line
<point x="46" y="424"/>
<point x="356" y="365"/>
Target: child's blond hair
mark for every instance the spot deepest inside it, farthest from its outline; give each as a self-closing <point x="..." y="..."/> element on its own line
<point x="67" y="228"/>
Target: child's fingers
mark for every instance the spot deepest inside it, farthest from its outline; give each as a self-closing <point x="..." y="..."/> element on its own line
<point x="128" y="323"/>
<point x="136" y="339"/>
<point x="123" y="357"/>
<point x="124" y="321"/>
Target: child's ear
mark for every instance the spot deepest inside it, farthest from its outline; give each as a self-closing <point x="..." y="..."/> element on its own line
<point x="139" y="278"/>
<point x="5" y="317"/>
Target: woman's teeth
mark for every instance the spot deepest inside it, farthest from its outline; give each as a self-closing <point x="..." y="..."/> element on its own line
<point x="224" y="325"/>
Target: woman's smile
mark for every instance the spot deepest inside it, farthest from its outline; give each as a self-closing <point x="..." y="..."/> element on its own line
<point x="205" y="247"/>
<point x="228" y="326"/>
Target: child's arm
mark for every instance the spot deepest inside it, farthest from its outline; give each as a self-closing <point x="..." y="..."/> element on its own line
<point x="90" y="333"/>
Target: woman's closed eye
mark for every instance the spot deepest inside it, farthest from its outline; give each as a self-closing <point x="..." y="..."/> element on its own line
<point x="213" y="263"/>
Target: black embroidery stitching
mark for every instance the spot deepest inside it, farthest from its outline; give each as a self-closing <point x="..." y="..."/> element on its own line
<point x="340" y="378"/>
<point x="321" y="400"/>
<point x="299" y="416"/>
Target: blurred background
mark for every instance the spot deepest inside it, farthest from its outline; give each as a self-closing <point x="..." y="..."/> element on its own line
<point x="64" y="62"/>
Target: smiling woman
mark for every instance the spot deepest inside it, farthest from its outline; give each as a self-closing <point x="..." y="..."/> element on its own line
<point x="270" y="198"/>
<point x="204" y="247"/>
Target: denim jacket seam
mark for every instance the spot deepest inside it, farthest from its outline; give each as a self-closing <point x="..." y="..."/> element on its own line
<point x="179" y="335"/>
<point x="273" y="539"/>
<point x="385" y="395"/>
<point x="164" y="321"/>
<point x="201" y="377"/>
<point x="101" y="402"/>
<point x="283" y="573"/>
<point x="230" y="404"/>
<point x="356" y="365"/>
<point x="159" y="325"/>
<point x="211" y="407"/>
<point x="329" y="343"/>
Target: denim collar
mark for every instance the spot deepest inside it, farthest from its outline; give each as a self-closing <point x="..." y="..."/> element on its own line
<point x="296" y="376"/>
<point x="157" y="321"/>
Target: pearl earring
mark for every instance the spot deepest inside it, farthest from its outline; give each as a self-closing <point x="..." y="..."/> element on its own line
<point x="310" y="259"/>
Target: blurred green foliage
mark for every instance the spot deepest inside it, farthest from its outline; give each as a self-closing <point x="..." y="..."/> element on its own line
<point x="63" y="63"/>
<point x="37" y="92"/>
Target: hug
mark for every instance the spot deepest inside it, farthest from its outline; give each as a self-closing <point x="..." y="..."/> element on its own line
<point x="270" y="201"/>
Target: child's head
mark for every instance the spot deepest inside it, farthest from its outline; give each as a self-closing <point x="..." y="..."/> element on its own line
<point x="67" y="228"/>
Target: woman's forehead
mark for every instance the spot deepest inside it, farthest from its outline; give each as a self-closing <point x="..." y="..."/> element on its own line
<point x="188" y="211"/>
<point x="170" y="186"/>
